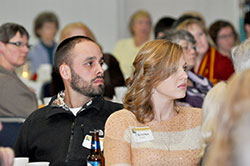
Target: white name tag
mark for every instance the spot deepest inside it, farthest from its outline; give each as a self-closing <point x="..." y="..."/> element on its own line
<point x="87" y="142"/>
<point x="142" y="134"/>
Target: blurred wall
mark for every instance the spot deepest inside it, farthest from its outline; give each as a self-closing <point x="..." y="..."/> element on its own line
<point x="108" y="19"/>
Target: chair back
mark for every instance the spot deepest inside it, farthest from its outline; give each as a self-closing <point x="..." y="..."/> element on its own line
<point x="11" y="126"/>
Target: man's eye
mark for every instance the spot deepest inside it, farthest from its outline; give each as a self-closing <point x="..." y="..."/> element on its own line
<point x="89" y="63"/>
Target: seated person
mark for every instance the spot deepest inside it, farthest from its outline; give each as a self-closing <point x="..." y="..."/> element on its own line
<point x="46" y="26"/>
<point x="162" y="26"/>
<point x="152" y="130"/>
<point x="125" y="50"/>
<point x="224" y="36"/>
<point x="209" y="62"/>
<point x="197" y="86"/>
<point x="113" y="76"/>
<point x="16" y="99"/>
<point x="57" y="133"/>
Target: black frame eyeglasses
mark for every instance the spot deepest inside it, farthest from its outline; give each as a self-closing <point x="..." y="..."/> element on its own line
<point x="19" y="44"/>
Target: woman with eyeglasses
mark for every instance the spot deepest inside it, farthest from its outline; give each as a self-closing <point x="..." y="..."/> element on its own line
<point x="209" y="62"/>
<point x="224" y="36"/>
<point x="16" y="99"/>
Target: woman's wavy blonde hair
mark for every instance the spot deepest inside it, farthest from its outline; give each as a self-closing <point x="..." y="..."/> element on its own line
<point x="155" y="62"/>
<point x="235" y="106"/>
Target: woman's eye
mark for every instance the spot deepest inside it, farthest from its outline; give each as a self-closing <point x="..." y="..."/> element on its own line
<point x="185" y="68"/>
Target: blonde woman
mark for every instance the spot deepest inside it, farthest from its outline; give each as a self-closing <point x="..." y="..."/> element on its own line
<point x="210" y="110"/>
<point x="209" y="62"/>
<point x="126" y="49"/>
<point x="152" y="130"/>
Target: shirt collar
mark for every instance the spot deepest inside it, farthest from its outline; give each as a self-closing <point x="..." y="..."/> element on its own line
<point x="96" y="102"/>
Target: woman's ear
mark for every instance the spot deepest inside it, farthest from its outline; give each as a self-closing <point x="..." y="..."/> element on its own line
<point x="1" y="47"/>
<point x="65" y="71"/>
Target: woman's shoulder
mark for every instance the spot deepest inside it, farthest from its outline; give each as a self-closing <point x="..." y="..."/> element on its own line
<point x="122" y="114"/>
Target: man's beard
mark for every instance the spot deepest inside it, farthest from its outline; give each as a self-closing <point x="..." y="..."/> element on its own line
<point x="83" y="87"/>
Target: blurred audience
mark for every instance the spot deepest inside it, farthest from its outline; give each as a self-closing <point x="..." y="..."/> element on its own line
<point x="209" y="62"/>
<point x="230" y="144"/>
<point x="197" y="86"/>
<point x="46" y="25"/>
<point x="152" y="130"/>
<point x="224" y="36"/>
<point x="210" y="110"/>
<point x="241" y="56"/>
<point x="16" y="98"/>
<point x="162" y="26"/>
<point x="126" y="49"/>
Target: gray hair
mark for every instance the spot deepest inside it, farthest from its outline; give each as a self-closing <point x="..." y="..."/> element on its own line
<point x="241" y="56"/>
<point x="176" y="36"/>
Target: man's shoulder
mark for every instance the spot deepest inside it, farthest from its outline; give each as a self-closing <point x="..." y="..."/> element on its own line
<point x="112" y="105"/>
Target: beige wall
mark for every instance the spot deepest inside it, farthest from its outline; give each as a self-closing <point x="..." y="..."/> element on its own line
<point x="108" y="18"/>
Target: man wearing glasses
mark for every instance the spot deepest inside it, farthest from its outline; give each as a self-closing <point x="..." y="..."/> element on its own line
<point x="16" y="99"/>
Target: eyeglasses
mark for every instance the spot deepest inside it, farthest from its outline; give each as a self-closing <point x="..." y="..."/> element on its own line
<point x="19" y="44"/>
<point x="226" y="36"/>
<point x="189" y="48"/>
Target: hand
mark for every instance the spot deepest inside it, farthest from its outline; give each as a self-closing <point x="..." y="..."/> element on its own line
<point x="6" y="156"/>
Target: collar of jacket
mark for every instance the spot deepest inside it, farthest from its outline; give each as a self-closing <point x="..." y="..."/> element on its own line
<point x="96" y="103"/>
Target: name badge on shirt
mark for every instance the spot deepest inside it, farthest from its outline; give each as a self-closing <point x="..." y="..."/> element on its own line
<point x="87" y="142"/>
<point x="142" y="134"/>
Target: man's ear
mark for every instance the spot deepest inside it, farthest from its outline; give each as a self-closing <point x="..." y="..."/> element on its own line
<point x="65" y="71"/>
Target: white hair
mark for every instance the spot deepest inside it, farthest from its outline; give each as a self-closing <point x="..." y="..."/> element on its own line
<point x="241" y="56"/>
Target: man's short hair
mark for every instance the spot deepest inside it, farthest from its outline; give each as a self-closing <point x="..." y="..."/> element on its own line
<point x="241" y="56"/>
<point x="63" y="51"/>
<point x="9" y="30"/>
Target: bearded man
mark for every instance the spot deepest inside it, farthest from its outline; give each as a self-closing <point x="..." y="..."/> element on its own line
<point x="59" y="132"/>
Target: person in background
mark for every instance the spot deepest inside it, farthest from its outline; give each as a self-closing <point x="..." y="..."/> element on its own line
<point x="210" y="110"/>
<point x="197" y="86"/>
<point x="152" y="129"/>
<point x="247" y="24"/>
<point x="46" y="25"/>
<point x="125" y="50"/>
<point x="112" y="73"/>
<point x="224" y="36"/>
<point x="230" y="147"/>
<point x="58" y="133"/>
<point x="241" y="56"/>
<point x="162" y="26"/>
<point x="209" y="62"/>
<point x="16" y="99"/>
<point x="6" y="154"/>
